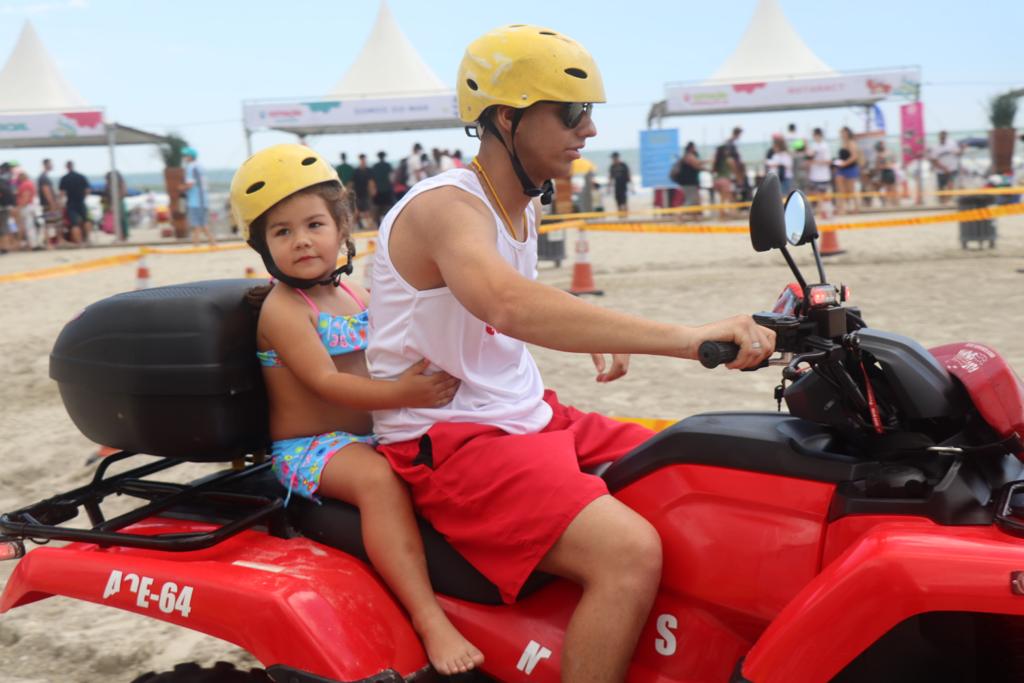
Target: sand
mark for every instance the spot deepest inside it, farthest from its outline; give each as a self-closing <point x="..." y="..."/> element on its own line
<point x="914" y="281"/>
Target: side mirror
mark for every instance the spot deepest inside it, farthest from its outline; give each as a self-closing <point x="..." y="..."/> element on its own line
<point x="767" y="221"/>
<point x="799" y="219"/>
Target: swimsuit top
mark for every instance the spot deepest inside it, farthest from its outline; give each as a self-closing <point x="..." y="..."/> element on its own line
<point x="340" y="334"/>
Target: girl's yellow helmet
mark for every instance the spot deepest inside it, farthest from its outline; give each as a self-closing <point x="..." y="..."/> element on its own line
<point x="520" y="65"/>
<point x="272" y="174"/>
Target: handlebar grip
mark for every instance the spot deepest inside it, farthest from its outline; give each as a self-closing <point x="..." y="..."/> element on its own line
<point x="713" y="353"/>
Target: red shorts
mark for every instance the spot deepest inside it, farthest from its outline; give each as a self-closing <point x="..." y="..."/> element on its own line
<point x="502" y="500"/>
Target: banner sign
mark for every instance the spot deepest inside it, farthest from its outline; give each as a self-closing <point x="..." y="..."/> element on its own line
<point x="328" y="113"/>
<point x="659" y="149"/>
<point x="912" y="131"/>
<point x="55" y="125"/>
<point x="792" y="94"/>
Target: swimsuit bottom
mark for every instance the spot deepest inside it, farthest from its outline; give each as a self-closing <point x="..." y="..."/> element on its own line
<point x="299" y="463"/>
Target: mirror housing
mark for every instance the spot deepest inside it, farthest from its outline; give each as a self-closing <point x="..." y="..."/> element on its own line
<point x="767" y="218"/>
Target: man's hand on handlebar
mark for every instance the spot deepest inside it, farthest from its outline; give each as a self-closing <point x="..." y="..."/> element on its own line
<point x="755" y="343"/>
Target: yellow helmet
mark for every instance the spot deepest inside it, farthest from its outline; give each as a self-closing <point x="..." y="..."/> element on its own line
<point x="272" y="174"/>
<point x="520" y="65"/>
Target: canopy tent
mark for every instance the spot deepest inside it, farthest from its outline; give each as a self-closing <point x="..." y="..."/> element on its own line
<point x="39" y="108"/>
<point x="772" y="69"/>
<point x="387" y="88"/>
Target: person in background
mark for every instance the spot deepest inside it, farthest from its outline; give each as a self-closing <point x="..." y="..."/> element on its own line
<point x="780" y="162"/>
<point x="688" y="177"/>
<point x="885" y="171"/>
<point x="847" y="171"/>
<point x="457" y="159"/>
<point x="384" y="192"/>
<point x="362" y="180"/>
<point x="797" y="148"/>
<point x="345" y="172"/>
<point x="74" y="188"/>
<point x="122" y="192"/>
<point x="741" y="190"/>
<point x="724" y="169"/>
<point x="819" y="173"/>
<point x="945" y="159"/>
<point x="49" y="205"/>
<point x="8" y="200"/>
<point x="417" y="170"/>
<point x="27" y="210"/>
<point x="196" y="197"/>
<point x="618" y="175"/>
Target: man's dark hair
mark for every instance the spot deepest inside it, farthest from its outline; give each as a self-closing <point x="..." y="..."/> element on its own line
<point x="344" y="157"/>
<point x="47" y="161"/>
<point x="818" y="131"/>
<point x="736" y="131"/>
<point x="362" y="157"/>
<point x="615" y="155"/>
<point x="381" y="155"/>
<point x="417" y="147"/>
<point x="791" y="128"/>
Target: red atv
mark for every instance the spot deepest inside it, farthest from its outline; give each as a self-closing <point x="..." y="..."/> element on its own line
<point x="875" y="532"/>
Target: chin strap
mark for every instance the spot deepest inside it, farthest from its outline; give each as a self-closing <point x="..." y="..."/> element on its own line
<point x="547" y="189"/>
<point x="333" y="279"/>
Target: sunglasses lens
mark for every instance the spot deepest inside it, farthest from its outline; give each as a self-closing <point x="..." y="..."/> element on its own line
<point x="574" y="113"/>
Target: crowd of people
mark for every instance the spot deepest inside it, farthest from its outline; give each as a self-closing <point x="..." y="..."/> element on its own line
<point x="375" y="189"/>
<point x="852" y="174"/>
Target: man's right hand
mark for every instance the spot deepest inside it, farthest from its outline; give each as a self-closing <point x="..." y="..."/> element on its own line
<point x="756" y="342"/>
<point x="419" y="390"/>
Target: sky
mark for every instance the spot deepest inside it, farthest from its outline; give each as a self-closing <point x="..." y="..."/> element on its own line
<point x="187" y="65"/>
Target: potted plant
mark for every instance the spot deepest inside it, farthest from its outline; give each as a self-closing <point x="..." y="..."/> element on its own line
<point x="174" y="179"/>
<point x="1001" y="111"/>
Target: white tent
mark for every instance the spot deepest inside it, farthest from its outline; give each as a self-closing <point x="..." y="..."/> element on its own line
<point x="388" y="87"/>
<point x="39" y="108"/>
<point x="773" y="69"/>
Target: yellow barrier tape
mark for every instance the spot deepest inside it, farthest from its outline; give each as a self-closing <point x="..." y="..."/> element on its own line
<point x="70" y="268"/>
<point x="654" y="424"/>
<point x="981" y="191"/>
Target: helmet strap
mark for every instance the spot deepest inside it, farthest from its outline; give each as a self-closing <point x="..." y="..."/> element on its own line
<point x="530" y="189"/>
<point x="333" y="279"/>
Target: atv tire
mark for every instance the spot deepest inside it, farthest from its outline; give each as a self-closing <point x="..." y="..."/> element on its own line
<point x="221" y="672"/>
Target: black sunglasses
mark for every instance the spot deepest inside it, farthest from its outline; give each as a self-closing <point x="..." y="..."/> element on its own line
<point x="573" y="112"/>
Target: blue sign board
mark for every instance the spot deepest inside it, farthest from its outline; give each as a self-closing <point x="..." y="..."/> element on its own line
<point x="659" y="149"/>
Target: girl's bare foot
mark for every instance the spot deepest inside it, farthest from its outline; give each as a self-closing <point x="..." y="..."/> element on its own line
<point x="449" y="652"/>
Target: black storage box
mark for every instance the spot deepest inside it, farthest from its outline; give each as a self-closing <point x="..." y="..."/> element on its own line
<point x="169" y="371"/>
<point x="979" y="231"/>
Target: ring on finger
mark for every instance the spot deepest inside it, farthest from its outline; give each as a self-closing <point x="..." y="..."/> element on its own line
<point x="756" y="345"/>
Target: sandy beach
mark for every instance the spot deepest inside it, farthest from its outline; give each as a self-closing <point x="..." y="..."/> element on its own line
<point x="914" y="281"/>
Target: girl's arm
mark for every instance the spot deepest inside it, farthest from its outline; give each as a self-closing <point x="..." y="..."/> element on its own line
<point x="286" y="327"/>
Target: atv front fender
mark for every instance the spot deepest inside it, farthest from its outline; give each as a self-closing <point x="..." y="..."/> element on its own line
<point x="288" y="602"/>
<point x="894" y="571"/>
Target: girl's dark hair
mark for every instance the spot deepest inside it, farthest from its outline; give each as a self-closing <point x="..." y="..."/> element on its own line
<point x="338" y="202"/>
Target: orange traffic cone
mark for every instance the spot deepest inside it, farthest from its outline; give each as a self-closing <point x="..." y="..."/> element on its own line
<point x="142" y="273"/>
<point x="250" y="272"/>
<point x="830" y="244"/>
<point x="582" y="275"/>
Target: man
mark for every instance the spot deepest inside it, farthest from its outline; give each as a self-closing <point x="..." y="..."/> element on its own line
<point x="497" y="471"/>
<point x="74" y="187"/>
<point x="384" y="193"/>
<point x="618" y="173"/>
<point x="945" y="158"/>
<point x="345" y="171"/>
<point x="48" y="205"/>
<point x="196" y="197"/>
<point x="797" y="147"/>
<point x="742" y="192"/>
<point x="819" y="173"/>
<point x="362" y="186"/>
<point x="8" y="200"/>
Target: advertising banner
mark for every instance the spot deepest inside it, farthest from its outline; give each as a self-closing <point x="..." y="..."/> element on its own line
<point x="912" y="131"/>
<point x="659" y="149"/>
<point x="328" y="113"/>
<point x="791" y="94"/>
<point x="52" y="125"/>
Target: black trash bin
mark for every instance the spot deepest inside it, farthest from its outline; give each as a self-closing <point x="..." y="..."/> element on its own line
<point x="551" y="247"/>
<point x="979" y="231"/>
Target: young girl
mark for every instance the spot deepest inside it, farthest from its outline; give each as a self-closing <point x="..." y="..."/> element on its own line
<point x="847" y="171"/>
<point x="312" y="332"/>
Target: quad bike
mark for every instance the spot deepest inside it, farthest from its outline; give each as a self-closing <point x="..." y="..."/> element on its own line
<point x="875" y="532"/>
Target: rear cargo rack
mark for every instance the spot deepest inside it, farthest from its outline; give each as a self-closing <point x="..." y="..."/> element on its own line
<point x="42" y="521"/>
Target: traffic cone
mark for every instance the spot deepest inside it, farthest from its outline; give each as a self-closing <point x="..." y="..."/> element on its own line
<point x="830" y="244"/>
<point x="250" y="272"/>
<point x="142" y="273"/>
<point x="582" y="275"/>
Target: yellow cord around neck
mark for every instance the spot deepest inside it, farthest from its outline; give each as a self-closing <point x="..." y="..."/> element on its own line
<point x="501" y="207"/>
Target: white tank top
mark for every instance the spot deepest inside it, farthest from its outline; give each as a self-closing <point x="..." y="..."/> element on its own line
<point x="501" y="385"/>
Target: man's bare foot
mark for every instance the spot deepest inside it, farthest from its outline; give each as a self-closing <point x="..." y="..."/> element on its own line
<point x="449" y="652"/>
